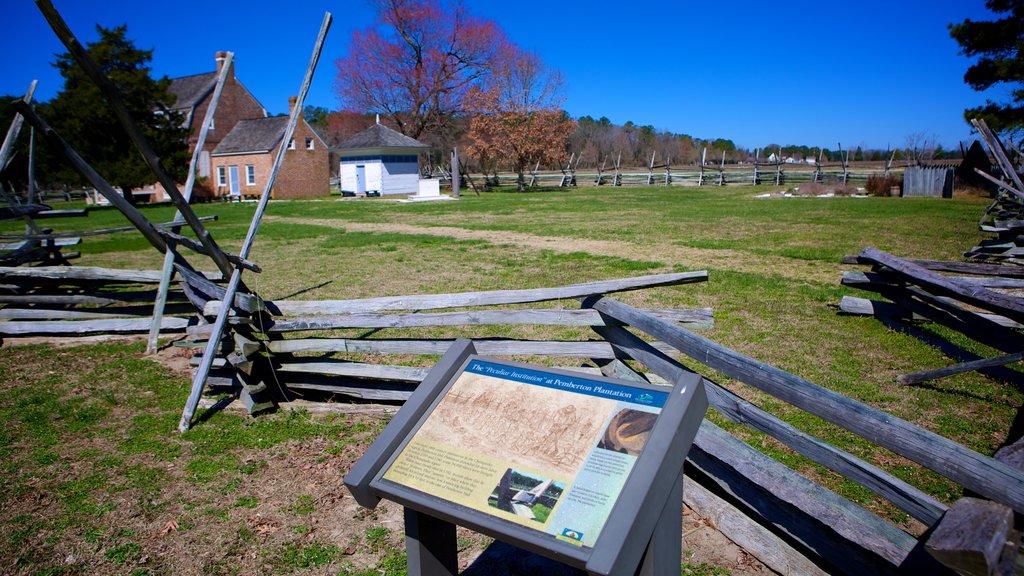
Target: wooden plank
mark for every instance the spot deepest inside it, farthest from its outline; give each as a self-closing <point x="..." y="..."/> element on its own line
<point x="354" y="369"/>
<point x="971" y="537"/>
<point x="89" y="273"/>
<point x="248" y="303"/>
<point x="906" y="497"/>
<point x="168" y="269"/>
<point x="7" y="148"/>
<point x="45" y="314"/>
<point x="113" y="98"/>
<point x="378" y="393"/>
<point x="974" y="471"/>
<point x="110" y="326"/>
<point x="99" y="232"/>
<point x="958" y="267"/>
<point x="57" y="142"/>
<point x="201" y="249"/>
<point x="972" y="324"/>
<point x="851" y="539"/>
<point x="16" y="245"/>
<point x="927" y="375"/>
<point x="866" y="307"/>
<point x="858" y="279"/>
<point x="753" y="538"/>
<point x="70" y="213"/>
<point x="101" y="298"/>
<point x="1002" y="304"/>
<point x="493" y="347"/>
<point x="199" y="378"/>
<point x="463" y="299"/>
<point x="574" y="317"/>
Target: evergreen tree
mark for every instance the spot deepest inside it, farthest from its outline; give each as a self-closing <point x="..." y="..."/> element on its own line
<point x="84" y="118"/>
<point x="997" y="45"/>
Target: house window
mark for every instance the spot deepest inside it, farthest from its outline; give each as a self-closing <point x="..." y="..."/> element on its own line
<point x="309" y="143"/>
<point x="222" y="177"/>
<point x="211" y="124"/>
<point x="291" y="144"/>
<point x="250" y="175"/>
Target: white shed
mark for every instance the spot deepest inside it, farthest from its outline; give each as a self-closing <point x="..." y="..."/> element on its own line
<point x="380" y="160"/>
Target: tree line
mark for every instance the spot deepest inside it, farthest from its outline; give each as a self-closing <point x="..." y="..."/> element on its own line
<point x="438" y="73"/>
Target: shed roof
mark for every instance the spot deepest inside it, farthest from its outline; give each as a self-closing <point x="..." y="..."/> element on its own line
<point x="191" y="89"/>
<point x="255" y="135"/>
<point x="380" y="136"/>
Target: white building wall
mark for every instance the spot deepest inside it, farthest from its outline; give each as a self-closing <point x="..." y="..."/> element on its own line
<point x="348" y="176"/>
<point x="401" y="178"/>
<point x="390" y="178"/>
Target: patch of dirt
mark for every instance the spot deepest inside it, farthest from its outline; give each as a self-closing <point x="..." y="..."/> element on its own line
<point x="305" y="470"/>
<point x="670" y="255"/>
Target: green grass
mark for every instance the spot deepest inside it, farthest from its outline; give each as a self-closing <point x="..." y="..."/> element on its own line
<point x="93" y="427"/>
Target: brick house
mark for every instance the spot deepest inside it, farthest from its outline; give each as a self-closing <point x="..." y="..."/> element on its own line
<point x="194" y="94"/>
<point x="242" y="161"/>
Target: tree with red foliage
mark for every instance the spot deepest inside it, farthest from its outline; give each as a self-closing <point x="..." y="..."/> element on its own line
<point x="419" y="63"/>
<point x="520" y="119"/>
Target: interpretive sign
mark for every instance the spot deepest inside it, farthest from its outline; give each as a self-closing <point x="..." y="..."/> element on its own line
<point x="546" y="459"/>
<point x="542" y="449"/>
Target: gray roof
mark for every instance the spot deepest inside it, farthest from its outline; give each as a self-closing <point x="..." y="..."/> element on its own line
<point x="380" y="136"/>
<point x="255" y="135"/>
<point x="191" y="89"/>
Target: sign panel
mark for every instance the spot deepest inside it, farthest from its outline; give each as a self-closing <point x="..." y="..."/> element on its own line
<point x="547" y="450"/>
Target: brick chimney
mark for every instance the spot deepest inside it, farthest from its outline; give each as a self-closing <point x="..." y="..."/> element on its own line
<point x="221" y="57"/>
<point x="291" y="103"/>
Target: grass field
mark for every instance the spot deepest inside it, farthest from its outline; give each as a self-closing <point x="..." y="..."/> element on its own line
<point x="98" y="481"/>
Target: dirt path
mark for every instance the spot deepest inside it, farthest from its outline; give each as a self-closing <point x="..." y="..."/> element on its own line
<point x="695" y="258"/>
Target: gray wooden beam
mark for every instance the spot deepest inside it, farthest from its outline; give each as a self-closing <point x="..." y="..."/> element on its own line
<point x="974" y="471"/>
<point x="199" y="379"/>
<point x="168" y="269"/>
<point x="113" y="97"/>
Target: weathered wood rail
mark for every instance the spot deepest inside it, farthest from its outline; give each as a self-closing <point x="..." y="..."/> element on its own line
<point x="974" y="536"/>
<point x="271" y="348"/>
<point x="263" y="351"/>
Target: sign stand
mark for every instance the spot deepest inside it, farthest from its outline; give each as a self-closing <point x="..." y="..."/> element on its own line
<point x="631" y="526"/>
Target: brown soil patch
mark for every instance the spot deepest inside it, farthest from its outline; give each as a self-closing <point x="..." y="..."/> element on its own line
<point x="669" y="254"/>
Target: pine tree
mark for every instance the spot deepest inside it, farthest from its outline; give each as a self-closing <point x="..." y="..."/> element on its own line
<point x="83" y="117"/>
<point x="997" y="45"/>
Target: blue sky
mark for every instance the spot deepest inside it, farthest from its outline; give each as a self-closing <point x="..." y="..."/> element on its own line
<point x="865" y="73"/>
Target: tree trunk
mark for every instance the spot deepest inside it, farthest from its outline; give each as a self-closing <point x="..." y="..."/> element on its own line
<point x="126" y="191"/>
<point x="520" y="181"/>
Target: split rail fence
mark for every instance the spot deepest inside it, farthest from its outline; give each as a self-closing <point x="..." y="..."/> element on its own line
<point x="261" y="350"/>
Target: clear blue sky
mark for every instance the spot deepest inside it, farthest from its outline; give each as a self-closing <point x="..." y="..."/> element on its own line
<point x="865" y="73"/>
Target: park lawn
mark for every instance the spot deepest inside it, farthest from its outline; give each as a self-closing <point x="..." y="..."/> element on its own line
<point x="91" y="438"/>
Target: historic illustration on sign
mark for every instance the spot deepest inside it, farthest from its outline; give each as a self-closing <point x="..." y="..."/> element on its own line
<point x="486" y="414"/>
<point x="525" y="495"/>
<point x="628" y="431"/>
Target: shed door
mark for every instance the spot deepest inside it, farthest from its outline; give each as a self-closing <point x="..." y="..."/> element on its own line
<point x="233" y="179"/>
<point x="360" y="179"/>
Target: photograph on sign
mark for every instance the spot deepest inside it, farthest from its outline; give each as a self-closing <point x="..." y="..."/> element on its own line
<point x="541" y="449"/>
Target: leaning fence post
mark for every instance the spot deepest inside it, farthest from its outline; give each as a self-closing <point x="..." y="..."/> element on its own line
<point x="113" y="97"/>
<point x="201" y="374"/>
<point x="7" y="149"/>
<point x="168" y="270"/>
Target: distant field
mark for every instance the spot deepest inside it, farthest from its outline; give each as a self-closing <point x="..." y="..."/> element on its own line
<point x="774" y="280"/>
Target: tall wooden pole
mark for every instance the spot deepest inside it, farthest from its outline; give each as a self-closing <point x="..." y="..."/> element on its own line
<point x="456" y="172"/>
<point x="8" y="149"/>
<point x="113" y="97"/>
<point x="168" y="270"/>
<point x="203" y="372"/>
